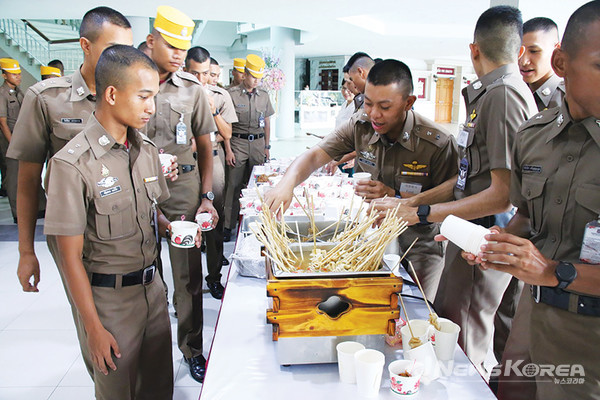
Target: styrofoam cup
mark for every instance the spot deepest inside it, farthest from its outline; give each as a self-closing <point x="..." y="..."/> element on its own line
<point x="361" y="176"/>
<point x="466" y="235"/>
<point x="345" y="356"/>
<point x="205" y="221"/>
<point x="405" y="385"/>
<point x="369" y="368"/>
<point x="165" y="161"/>
<point x="420" y="328"/>
<point x="446" y="339"/>
<point x="426" y="355"/>
<point x="183" y="234"/>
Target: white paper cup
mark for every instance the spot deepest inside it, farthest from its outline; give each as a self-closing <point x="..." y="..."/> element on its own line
<point x="426" y="355"/>
<point x="205" y="221"/>
<point x="183" y="234"/>
<point x="369" y="368"/>
<point x="361" y="176"/>
<point x="466" y="235"/>
<point x="165" y="161"/>
<point x="445" y="339"/>
<point x="420" y="328"/>
<point x="345" y="356"/>
<point x="405" y="385"/>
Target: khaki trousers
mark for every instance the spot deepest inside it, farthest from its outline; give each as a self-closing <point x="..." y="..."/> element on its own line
<point x="504" y="317"/>
<point x="214" y="238"/>
<point x="247" y="155"/>
<point x="186" y="265"/>
<point x="470" y="297"/>
<point x="138" y="319"/>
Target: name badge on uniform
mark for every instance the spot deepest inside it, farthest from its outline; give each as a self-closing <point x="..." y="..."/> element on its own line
<point x="181" y="131"/>
<point x="71" y="120"/>
<point x="412" y="188"/>
<point x="590" y="247"/>
<point x="261" y="120"/>
<point x="364" y="161"/>
<point x="110" y="191"/>
<point x="463" y="170"/>
<point x="463" y="138"/>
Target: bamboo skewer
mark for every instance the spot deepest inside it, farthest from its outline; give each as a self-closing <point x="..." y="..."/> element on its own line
<point x="432" y="316"/>
<point x="414" y="342"/>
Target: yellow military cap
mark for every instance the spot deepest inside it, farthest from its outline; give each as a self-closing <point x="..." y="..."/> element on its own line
<point x="10" y="65"/>
<point x="239" y="64"/>
<point x="255" y="65"/>
<point x="44" y="70"/>
<point x="174" y="26"/>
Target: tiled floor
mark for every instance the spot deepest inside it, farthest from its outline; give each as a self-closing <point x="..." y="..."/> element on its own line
<point x="39" y="353"/>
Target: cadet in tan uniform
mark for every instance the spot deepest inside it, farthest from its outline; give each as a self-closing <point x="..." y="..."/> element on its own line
<point x="198" y="62"/>
<point x="250" y="142"/>
<point x="104" y="187"/>
<point x="540" y="38"/>
<point x="238" y="72"/>
<point x="555" y="185"/>
<point x="497" y="104"/>
<point x="183" y="113"/>
<point x="404" y="152"/>
<point x="215" y="73"/>
<point x="49" y="72"/>
<point x="11" y="98"/>
<point x="53" y="112"/>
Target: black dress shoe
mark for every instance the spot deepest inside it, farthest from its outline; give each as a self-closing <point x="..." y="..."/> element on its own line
<point x="226" y="235"/>
<point x="224" y="261"/>
<point x="216" y="289"/>
<point x="197" y="367"/>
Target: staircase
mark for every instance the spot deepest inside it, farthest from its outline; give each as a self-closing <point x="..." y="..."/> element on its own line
<point x="35" y="42"/>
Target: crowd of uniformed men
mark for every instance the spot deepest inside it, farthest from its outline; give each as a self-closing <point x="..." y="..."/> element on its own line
<point x="523" y="164"/>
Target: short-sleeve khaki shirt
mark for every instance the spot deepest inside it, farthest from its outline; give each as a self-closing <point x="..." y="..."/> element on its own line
<point x="423" y="157"/>
<point x="53" y="112"/>
<point x="550" y="94"/>
<point x="497" y="104"/>
<point x="100" y="189"/>
<point x="555" y="178"/>
<point x="10" y="104"/>
<point x="223" y="103"/>
<point x="249" y="107"/>
<point x="180" y="97"/>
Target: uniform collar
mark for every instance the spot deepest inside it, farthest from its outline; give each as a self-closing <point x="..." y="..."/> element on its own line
<point x="79" y="89"/>
<point x="563" y="120"/>
<point x="101" y="141"/>
<point x="406" y="138"/>
<point x="478" y="87"/>
<point x="545" y="92"/>
<point x="254" y="92"/>
<point x="175" y="79"/>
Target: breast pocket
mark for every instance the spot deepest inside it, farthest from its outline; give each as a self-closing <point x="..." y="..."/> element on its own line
<point x="176" y="111"/>
<point x="115" y="217"/>
<point x="588" y="200"/>
<point x="473" y="153"/>
<point x="532" y="190"/>
<point x="63" y="132"/>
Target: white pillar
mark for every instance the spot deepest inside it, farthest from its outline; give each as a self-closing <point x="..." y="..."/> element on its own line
<point x="283" y="43"/>
<point x="140" y="27"/>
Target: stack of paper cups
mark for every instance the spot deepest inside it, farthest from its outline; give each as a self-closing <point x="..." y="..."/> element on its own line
<point x="466" y="235"/>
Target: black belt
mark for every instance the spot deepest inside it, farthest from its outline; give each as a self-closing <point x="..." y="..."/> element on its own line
<point x="185" y="168"/>
<point x="555" y="297"/>
<point x="142" y="277"/>
<point x="249" y="137"/>
<point x="486" y="222"/>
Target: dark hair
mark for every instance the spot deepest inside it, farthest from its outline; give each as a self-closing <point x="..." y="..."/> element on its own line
<point x="92" y="22"/>
<point x="113" y="63"/>
<point x="540" y="24"/>
<point x="57" y="64"/>
<point x="213" y="61"/>
<point x="575" y="32"/>
<point x="387" y="72"/>
<point x="345" y="69"/>
<point x="142" y="46"/>
<point x="377" y="60"/>
<point x="361" y="59"/>
<point x="499" y="33"/>
<point x="197" y="54"/>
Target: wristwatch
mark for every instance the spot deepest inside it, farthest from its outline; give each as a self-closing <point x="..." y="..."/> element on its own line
<point x="208" y="195"/>
<point x="168" y="233"/>
<point x="216" y="113"/>
<point x="423" y="213"/>
<point x="565" y="273"/>
<point x="268" y="147"/>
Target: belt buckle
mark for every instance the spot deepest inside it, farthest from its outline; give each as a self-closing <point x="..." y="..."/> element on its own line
<point x="251" y="138"/>
<point x="148" y="275"/>
<point x="535" y="292"/>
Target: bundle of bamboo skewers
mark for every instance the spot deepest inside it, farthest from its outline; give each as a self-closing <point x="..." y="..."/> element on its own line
<point x="357" y="247"/>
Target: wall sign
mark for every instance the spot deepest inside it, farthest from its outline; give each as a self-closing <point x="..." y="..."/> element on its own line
<point x="420" y="89"/>
<point x="445" y="71"/>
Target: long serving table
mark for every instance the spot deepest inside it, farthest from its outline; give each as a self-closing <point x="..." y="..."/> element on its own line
<point x="243" y="365"/>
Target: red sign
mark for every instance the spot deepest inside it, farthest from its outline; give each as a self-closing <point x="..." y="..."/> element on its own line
<point x="445" y="71"/>
<point x="420" y="88"/>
